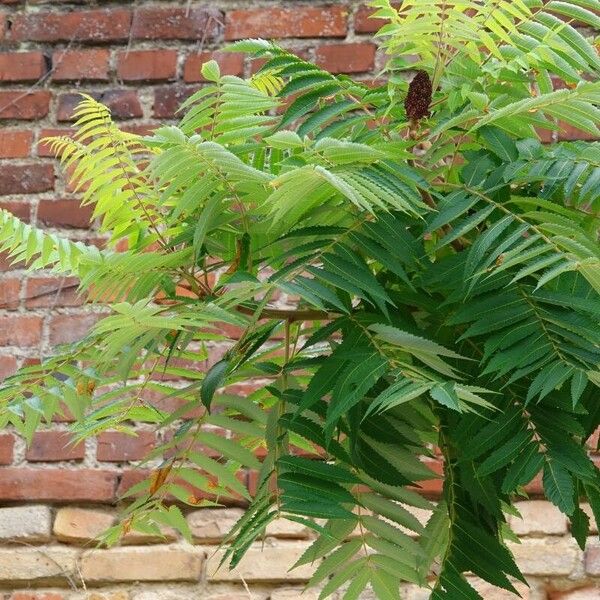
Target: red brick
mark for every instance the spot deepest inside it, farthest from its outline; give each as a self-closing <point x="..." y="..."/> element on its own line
<point x="123" y="104"/>
<point x="44" y="149"/>
<point x="7" y="442"/>
<point x="26" y="179"/>
<point x="114" y="446"/>
<point x="167" y="100"/>
<point x="129" y="478"/>
<point x="147" y="65"/>
<point x="20" y="330"/>
<point x="22" y="66"/>
<point x="170" y="404"/>
<point x="24" y="105"/>
<point x="346" y="58"/>
<point x="15" y="143"/>
<point x="78" y="25"/>
<point x="57" y="485"/>
<point x="230" y="63"/>
<point x="48" y="292"/>
<point x="52" y="446"/>
<point x="569" y="133"/>
<point x="9" y="293"/>
<point x="175" y="23"/>
<point x="19" y="209"/>
<point x="81" y="65"/>
<point x="297" y="22"/>
<point x="64" y="213"/>
<point x="65" y="329"/>
<point x="363" y="23"/>
<point x="8" y="366"/>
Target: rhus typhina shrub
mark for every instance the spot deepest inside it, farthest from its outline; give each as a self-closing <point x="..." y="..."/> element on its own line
<point x="442" y="273"/>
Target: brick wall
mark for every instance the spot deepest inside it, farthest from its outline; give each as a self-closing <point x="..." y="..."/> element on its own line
<point x="142" y="58"/>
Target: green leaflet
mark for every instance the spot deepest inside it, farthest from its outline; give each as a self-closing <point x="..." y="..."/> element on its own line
<point x="558" y="486"/>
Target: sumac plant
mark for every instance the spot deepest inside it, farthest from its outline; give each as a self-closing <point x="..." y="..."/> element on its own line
<point x="399" y="270"/>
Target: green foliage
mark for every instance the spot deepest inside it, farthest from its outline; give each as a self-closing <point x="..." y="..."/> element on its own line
<point x="446" y="275"/>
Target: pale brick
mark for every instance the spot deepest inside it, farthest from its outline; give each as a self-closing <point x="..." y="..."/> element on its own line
<point x="587" y="593"/>
<point x="286" y="529"/>
<point x="37" y="565"/>
<point x="538" y="518"/>
<point x="490" y="592"/>
<point x="158" y="563"/>
<point x="413" y="592"/>
<point x="592" y="557"/>
<point x="133" y="538"/>
<point x="211" y="525"/>
<point x="587" y="509"/>
<point x="175" y="592"/>
<point x="81" y="525"/>
<point x="550" y="556"/>
<point x="270" y="561"/>
<point x="25" y="524"/>
<point x="108" y="596"/>
<point x="295" y="594"/>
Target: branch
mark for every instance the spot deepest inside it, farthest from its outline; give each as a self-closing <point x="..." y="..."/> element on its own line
<point x="290" y="315"/>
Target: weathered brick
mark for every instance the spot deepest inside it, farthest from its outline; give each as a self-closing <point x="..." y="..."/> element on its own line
<point x="15" y="143"/>
<point x="158" y="563"/>
<point x="568" y="133"/>
<point x="29" y="566"/>
<point x="211" y="525"/>
<point x="296" y="594"/>
<point x="64" y="213"/>
<point x="270" y="562"/>
<point x="78" y="25"/>
<point x="81" y="65"/>
<point x="81" y="525"/>
<point x="9" y="293"/>
<point x="20" y="330"/>
<point x="547" y="556"/>
<point x="297" y="22"/>
<point x="65" y="329"/>
<point x="34" y="596"/>
<point x="49" y="292"/>
<point x="147" y="65"/>
<point x="31" y="523"/>
<point x="286" y="529"/>
<point x="52" y="446"/>
<point x="346" y="58"/>
<point x="491" y="592"/>
<point x="538" y="518"/>
<point x="114" y="446"/>
<point x="230" y="63"/>
<point x="57" y="485"/>
<point x="123" y="104"/>
<point x="22" y="66"/>
<point x="364" y="23"/>
<point x="168" y="99"/>
<point x="19" y="209"/>
<point x="7" y="440"/>
<point x="171" y="23"/>
<point x="592" y="557"/>
<point x="585" y="593"/>
<point x="26" y="179"/>
<point x="588" y="511"/>
<point x="24" y="105"/>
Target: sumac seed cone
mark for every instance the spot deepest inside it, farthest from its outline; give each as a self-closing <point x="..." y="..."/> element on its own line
<point x="418" y="99"/>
